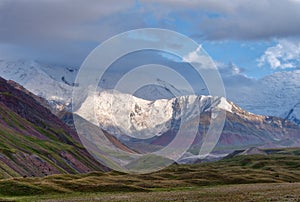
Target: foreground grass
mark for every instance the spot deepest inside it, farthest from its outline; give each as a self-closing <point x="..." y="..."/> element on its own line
<point x="260" y="176"/>
<point x="242" y="192"/>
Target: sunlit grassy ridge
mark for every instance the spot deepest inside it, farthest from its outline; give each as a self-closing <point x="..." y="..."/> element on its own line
<point x="14" y="143"/>
<point x="34" y="142"/>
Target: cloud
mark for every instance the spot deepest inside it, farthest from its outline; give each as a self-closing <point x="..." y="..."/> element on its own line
<point x="35" y="21"/>
<point x="285" y="54"/>
<point x="195" y="56"/>
<point x="62" y="31"/>
<point x="235" y="19"/>
<point x="229" y="69"/>
<point x="200" y="57"/>
<point x="39" y="20"/>
<point x="68" y="30"/>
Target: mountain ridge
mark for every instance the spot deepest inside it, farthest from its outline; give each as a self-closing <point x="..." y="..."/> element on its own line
<point x="269" y="96"/>
<point x="128" y="118"/>
<point x="242" y="129"/>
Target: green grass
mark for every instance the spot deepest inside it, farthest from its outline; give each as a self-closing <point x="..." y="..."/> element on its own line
<point x="19" y="137"/>
<point x="242" y="192"/>
<point x="280" y="167"/>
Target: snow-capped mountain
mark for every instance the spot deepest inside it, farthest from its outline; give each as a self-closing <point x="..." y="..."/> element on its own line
<point x="149" y="125"/>
<point x="160" y="90"/>
<point x="53" y="83"/>
<point x="274" y="95"/>
<point x="154" y="120"/>
<point x="119" y="113"/>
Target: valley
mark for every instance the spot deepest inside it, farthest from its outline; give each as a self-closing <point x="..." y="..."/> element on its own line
<point x="149" y="100"/>
<point x="255" y="176"/>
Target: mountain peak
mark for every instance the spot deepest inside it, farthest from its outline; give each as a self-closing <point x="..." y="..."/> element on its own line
<point x="120" y="113"/>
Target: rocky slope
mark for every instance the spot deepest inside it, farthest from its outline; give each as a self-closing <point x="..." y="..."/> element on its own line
<point x="293" y="114"/>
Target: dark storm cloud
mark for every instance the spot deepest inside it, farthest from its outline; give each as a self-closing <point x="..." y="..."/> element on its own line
<point x="66" y="31"/>
<point x="39" y="20"/>
<point x="236" y="19"/>
<point x="62" y="31"/>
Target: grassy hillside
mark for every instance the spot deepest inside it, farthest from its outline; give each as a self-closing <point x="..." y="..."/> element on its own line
<point x="34" y="142"/>
<point x="281" y="166"/>
<point x="22" y="154"/>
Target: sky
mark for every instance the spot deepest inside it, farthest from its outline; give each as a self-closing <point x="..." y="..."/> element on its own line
<point x="252" y="38"/>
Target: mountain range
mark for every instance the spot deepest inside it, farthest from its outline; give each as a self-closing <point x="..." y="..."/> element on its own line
<point x="274" y="95"/>
<point x="38" y="93"/>
<point x="277" y="94"/>
<point x="147" y="126"/>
